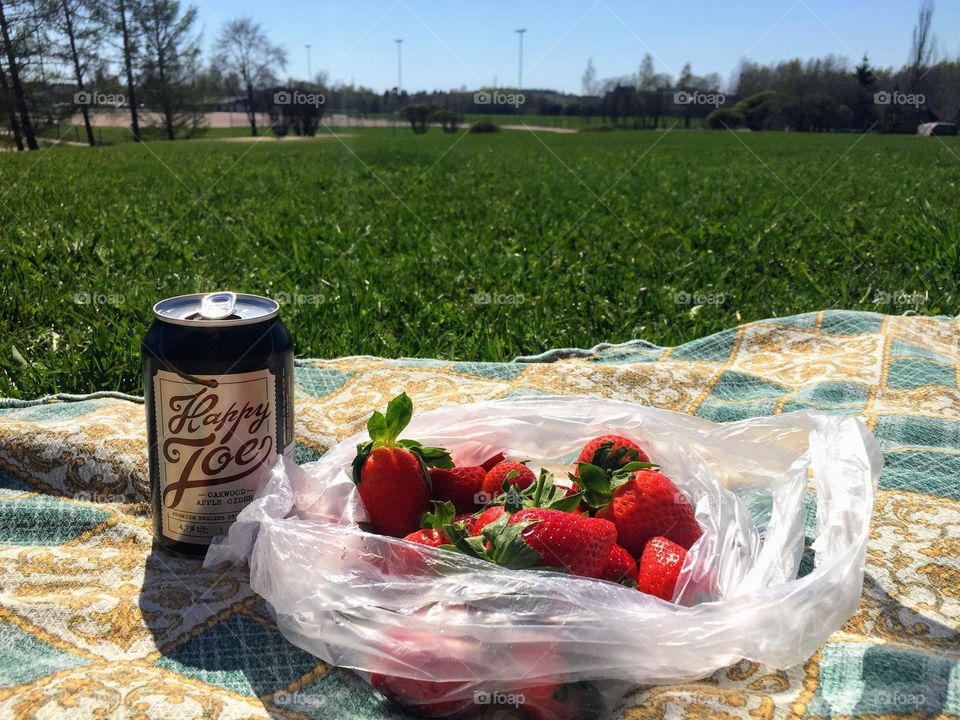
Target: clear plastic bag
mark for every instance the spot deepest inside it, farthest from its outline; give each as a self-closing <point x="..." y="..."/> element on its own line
<point x="382" y="605"/>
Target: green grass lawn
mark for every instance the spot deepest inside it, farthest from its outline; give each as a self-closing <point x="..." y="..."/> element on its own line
<point x="388" y="243"/>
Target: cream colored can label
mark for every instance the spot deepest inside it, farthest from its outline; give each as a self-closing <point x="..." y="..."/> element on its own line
<point x="216" y="444"/>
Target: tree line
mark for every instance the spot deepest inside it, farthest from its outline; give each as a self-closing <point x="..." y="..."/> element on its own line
<point x="65" y="59"/>
<point x="61" y="58"/>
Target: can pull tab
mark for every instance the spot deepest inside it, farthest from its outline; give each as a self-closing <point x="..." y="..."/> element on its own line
<point x="218" y="305"/>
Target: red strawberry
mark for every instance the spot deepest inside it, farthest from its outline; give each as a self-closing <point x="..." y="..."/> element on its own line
<point x="459" y="485"/>
<point x="490" y="515"/>
<point x="611" y="452"/>
<point x="428" y="536"/>
<point x="620" y="566"/>
<point x="431" y="654"/>
<point x="659" y="567"/>
<point x="392" y="475"/>
<point x="519" y="474"/>
<point x="492" y="461"/>
<point x="642" y="504"/>
<point x="565" y="540"/>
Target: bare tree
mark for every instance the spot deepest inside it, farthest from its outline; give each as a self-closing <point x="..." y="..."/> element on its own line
<point x="116" y="14"/>
<point x="79" y="34"/>
<point x="10" y="107"/>
<point x="170" y="57"/>
<point x="244" y="50"/>
<point x="922" y="43"/>
<point x="19" y="96"/>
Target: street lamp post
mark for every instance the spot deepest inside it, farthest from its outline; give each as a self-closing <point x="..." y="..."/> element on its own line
<point x="399" y="42"/>
<point x="309" y="67"/>
<point x="520" y="32"/>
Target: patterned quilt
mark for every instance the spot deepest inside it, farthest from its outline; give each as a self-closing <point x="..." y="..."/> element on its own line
<point x="93" y="623"/>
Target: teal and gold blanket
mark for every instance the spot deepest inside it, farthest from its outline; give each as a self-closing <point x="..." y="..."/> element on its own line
<point x="94" y="623"/>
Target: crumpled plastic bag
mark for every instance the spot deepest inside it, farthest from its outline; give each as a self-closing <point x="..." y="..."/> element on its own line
<point x="381" y="605"/>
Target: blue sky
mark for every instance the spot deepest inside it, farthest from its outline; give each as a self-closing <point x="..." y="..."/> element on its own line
<point x="453" y="43"/>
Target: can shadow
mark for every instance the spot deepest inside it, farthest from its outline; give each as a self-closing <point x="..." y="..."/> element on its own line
<point x="209" y="627"/>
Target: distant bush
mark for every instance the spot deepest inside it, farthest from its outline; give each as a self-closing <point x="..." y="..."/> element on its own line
<point x="419" y="115"/>
<point x="757" y="109"/>
<point x="724" y="119"/>
<point x="484" y="127"/>
<point x="449" y="121"/>
<point x="297" y="108"/>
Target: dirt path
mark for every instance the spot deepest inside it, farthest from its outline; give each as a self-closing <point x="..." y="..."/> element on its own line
<point x="237" y="119"/>
<point x="539" y="128"/>
<point x="286" y="138"/>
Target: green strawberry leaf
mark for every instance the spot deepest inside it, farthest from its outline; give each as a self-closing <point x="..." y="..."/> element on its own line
<point x="565" y="503"/>
<point x="363" y="452"/>
<point x="607" y="458"/>
<point x="432" y="456"/>
<point x="443" y="514"/>
<point x="543" y="487"/>
<point x="625" y="474"/>
<point x="506" y="484"/>
<point x="512" y="501"/>
<point x="463" y="543"/>
<point x="377" y="427"/>
<point x="637" y="465"/>
<point x="399" y="412"/>
<point x="507" y="546"/>
<point x="595" y="484"/>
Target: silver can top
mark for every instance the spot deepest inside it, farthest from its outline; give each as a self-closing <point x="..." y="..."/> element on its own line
<point x="216" y="309"/>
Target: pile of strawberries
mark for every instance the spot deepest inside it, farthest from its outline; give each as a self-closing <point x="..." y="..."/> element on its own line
<point x="615" y="518"/>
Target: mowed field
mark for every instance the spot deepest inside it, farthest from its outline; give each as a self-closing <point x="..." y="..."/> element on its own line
<point x="465" y="246"/>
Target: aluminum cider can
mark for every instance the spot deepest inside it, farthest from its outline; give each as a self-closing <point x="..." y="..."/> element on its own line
<point x="218" y="390"/>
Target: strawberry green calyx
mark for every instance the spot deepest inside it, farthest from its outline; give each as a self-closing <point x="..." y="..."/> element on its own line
<point x="443" y="514"/>
<point x="544" y="493"/>
<point x="506" y="484"/>
<point x="507" y="546"/>
<point x="598" y="484"/>
<point x="384" y="430"/>
<point x="512" y="500"/>
<point x="501" y="543"/>
<point x="606" y="457"/>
